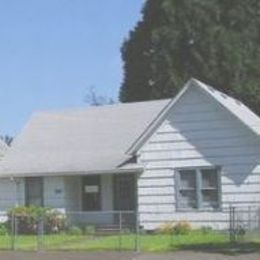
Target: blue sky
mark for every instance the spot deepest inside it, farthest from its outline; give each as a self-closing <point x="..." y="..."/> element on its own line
<point x="53" y="51"/>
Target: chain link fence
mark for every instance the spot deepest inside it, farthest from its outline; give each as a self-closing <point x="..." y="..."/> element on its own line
<point x="244" y="224"/>
<point x="111" y="230"/>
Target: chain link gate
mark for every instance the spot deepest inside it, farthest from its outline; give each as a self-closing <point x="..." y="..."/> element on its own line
<point x="244" y="224"/>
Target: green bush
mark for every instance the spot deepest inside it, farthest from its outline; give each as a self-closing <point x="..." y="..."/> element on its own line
<point x="90" y="230"/>
<point x="75" y="231"/>
<point x="28" y="219"/>
<point x="182" y="228"/>
<point x="3" y="229"/>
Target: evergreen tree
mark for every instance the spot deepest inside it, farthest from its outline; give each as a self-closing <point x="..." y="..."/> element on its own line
<point x="216" y="41"/>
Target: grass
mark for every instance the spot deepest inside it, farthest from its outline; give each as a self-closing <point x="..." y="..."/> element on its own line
<point x="149" y="243"/>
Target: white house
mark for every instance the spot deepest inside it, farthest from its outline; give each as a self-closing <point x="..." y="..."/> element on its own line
<point x="182" y="159"/>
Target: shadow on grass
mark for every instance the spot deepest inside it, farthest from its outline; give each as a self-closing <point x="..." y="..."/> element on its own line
<point x="224" y="248"/>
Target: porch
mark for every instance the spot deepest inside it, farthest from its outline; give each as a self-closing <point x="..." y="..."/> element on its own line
<point x="101" y="199"/>
<point x="98" y="199"/>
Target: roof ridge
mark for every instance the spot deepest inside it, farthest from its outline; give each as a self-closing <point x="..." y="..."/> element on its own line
<point x="88" y="108"/>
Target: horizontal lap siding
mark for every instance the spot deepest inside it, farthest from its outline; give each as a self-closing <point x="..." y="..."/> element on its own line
<point x="156" y="200"/>
<point x="54" y="192"/>
<point x="10" y="196"/>
<point x="198" y="132"/>
<point x="72" y="193"/>
<point x="156" y="182"/>
<point x="160" y="190"/>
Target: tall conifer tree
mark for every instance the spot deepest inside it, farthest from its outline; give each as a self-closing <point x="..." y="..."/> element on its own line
<point x="216" y="41"/>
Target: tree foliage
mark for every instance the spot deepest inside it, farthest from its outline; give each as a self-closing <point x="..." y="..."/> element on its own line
<point x="216" y="41"/>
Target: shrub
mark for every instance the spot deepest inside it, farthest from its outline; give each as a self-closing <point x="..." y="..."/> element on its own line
<point x="75" y="231"/>
<point x="90" y="230"/>
<point x="29" y="218"/>
<point x="3" y="229"/>
<point x="182" y="228"/>
<point x="54" y="221"/>
<point x="165" y="228"/>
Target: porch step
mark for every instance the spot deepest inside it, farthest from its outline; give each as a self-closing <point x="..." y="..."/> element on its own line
<point x="108" y="229"/>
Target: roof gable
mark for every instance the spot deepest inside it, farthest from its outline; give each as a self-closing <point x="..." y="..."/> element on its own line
<point x="235" y="107"/>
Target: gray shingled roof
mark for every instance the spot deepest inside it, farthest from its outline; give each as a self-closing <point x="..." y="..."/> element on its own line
<point x="97" y="139"/>
<point x="81" y="140"/>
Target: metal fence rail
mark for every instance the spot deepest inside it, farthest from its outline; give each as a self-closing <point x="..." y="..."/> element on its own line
<point x="117" y="230"/>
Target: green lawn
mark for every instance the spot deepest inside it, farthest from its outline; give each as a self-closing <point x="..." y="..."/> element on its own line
<point x="149" y="243"/>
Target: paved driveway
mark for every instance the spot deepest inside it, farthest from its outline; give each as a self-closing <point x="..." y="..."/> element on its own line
<point x="182" y="255"/>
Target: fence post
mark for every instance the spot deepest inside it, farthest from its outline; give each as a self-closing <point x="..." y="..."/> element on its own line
<point x="40" y="233"/>
<point x="230" y="224"/>
<point x="232" y="234"/>
<point x="120" y="230"/>
<point x="137" y="232"/>
<point x="249" y="218"/>
<point x="13" y="231"/>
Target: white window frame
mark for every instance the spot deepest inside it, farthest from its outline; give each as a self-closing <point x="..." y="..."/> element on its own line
<point x="198" y="189"/>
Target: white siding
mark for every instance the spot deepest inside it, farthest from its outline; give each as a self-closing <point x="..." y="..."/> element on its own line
<point x="54" y="192"/>
<point x="198" y="132"/>
<point x="73" y="193"/>
<point x="11" y="194"/>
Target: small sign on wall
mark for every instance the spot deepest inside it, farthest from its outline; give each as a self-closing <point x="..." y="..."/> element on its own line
<point x="91" y="188"/>
<point x="58" y="191"/>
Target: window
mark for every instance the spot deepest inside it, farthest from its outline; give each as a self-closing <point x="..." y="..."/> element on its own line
<point x="91" y="194"/>
<point x="34" y="191"/>
<point x="198" y="188"/>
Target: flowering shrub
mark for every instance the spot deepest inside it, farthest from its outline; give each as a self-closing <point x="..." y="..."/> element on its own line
<point x="29" y="219"/>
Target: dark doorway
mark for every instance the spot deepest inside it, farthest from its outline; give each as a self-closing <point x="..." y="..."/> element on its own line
<point x="124" y="192"/>
<point x="125" y="199"/>
<point x="34" y="191"/>
<point x="91" y="193"/>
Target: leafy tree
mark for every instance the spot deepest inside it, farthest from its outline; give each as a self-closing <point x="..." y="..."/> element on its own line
<point x="216" y="41"/>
